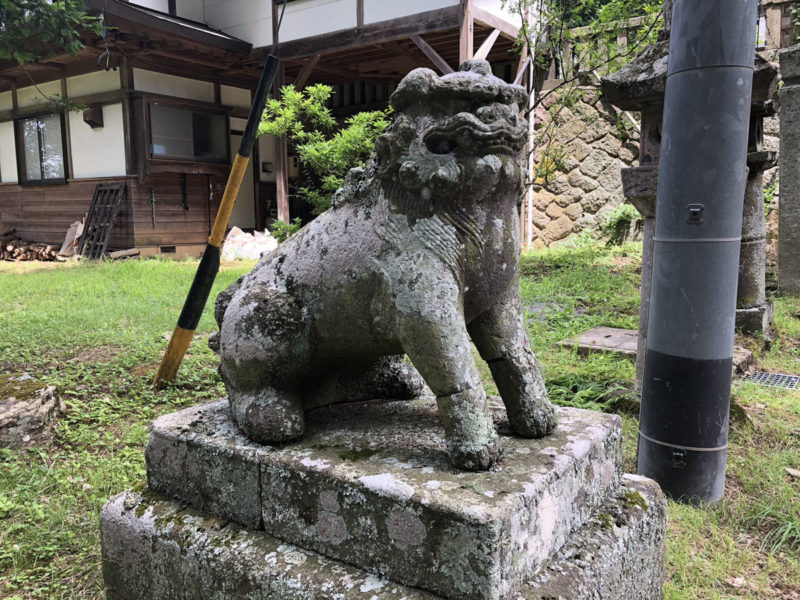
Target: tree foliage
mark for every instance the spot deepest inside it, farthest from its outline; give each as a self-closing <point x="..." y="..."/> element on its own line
<point x="325" y="151"/>
<point x="30" y="29"/>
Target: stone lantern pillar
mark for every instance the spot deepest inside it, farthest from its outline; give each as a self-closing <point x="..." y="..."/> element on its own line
<point x="753" y="312"/>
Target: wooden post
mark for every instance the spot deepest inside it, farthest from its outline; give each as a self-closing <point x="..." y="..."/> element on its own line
<point x="359" y="13"/>
<point x="68" y="173"/>
<point x="466" y="38"/>
<point x="126" y="83"/>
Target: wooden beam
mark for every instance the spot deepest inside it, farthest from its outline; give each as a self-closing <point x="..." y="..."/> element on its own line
<point x="487" y="44"/>
<point x="466" y="38"/>
<point x="368" y="35"/>
<point x="281" y="160"/>
<point x="110" y="97"/>
<point x="306" y="71"/>
<point x="523" y="65"/>
<point x="126" y="84"/>
<point x="434" y="56"/>
<point x="359" y="13"/>
<point x="68" y="172"/>
<point x="484" y="17"/>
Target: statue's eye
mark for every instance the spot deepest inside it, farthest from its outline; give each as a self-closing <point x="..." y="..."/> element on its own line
<point x="440" y="145"/>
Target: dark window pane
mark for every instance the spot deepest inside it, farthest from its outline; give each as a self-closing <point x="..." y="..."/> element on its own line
<point x="210" y="139"/>
<point x="171" y="131"/>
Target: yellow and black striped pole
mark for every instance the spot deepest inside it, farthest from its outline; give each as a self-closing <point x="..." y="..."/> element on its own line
<point x="209" y="264"/>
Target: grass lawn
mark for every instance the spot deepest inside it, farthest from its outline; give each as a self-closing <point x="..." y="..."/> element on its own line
<point x="97" y="331"/>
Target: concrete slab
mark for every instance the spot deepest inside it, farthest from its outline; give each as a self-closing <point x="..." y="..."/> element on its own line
<point x="370" y="484"/>
<point x="623" y="342"/>
<point x="605" y="339"/>
<point x="158" y="548"/>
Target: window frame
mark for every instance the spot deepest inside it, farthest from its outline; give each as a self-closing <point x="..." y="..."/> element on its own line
<point x="163" y="158"/>
<point x="19" y="140"/>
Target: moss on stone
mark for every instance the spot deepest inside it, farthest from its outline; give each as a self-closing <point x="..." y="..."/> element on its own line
<point x="12" y="387"/>
<point x="605" y="520"/>
<point x="356" y="455"/>
<point x="634" y="498"/>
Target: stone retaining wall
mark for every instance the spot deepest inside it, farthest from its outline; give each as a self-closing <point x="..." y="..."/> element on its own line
<point x="592" y="141"/>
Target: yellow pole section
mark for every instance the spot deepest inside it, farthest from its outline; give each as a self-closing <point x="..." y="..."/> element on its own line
<point x="228" y="198"/>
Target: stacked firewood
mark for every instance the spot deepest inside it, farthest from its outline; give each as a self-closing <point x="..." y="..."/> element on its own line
<point x="12" y="247"/>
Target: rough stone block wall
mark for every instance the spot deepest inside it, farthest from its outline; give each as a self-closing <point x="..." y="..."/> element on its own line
<point x="590" y="142"/>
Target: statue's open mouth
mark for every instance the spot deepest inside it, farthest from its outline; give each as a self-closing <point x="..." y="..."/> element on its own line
<point x="466" y="133"/>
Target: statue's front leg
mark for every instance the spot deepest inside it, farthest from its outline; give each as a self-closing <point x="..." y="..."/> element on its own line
<point x="502" y="340"/>
<point x="434" y="336"/>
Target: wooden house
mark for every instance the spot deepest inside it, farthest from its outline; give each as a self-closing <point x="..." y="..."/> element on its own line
<point x="167" y="90"/>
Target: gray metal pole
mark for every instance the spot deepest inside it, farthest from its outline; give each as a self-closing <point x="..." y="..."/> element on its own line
<point x="683" y="431"/>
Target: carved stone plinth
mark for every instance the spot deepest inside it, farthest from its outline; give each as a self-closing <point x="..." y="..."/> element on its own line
<point x="370" y="485"/>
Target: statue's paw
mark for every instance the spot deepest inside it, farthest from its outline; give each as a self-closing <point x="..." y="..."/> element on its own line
<point x="213" y="342"/>
<point x="475" y="457"/>
<point x="535" y="422"/>
<point x="268" y="417"/>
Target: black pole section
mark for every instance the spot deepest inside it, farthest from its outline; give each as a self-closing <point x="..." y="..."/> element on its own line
<point x="209" y="264"/>
<point x="259" y="102"/>
<point x="683" y="431"/>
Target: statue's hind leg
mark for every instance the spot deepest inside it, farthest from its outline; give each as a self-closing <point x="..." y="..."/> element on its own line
<point x="264" y="350"/>
<point x="502" y="340"/>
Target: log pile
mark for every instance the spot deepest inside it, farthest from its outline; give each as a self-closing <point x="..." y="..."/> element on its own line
<point x="12" y="248"/>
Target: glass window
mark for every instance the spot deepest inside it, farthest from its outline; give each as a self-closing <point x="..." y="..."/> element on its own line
<point x="42" y="148"/>
<point x="182" y="133"/>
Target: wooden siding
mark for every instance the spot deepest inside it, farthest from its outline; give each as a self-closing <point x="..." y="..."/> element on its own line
<point x="173" y="224"/>
<point x="44" y="213"/>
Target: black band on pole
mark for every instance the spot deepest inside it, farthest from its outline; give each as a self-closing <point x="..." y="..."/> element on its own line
<point x="259" y="102"/>
<point x="201" y="288"/>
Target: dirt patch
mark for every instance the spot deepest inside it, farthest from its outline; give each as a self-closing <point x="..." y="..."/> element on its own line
<point x="97" y="355"/>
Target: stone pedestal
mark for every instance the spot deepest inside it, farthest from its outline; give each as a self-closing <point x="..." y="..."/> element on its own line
<point x="640" y="186"/>
<point x="367" y="506"/>
<point x="789" y="211"/>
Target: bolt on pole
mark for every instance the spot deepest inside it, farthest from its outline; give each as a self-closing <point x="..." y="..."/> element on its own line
<point x="683" y="431"/>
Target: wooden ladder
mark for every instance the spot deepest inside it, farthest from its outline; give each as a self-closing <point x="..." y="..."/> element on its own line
<point x="100" y="220"/>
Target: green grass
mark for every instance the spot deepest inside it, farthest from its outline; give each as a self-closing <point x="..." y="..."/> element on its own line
<point x="97" y="331"/>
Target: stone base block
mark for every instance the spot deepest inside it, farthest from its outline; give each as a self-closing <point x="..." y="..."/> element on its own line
<point x="756" y="319"/>
<point x="158" y="548"/>
<point x="370" y="484"/>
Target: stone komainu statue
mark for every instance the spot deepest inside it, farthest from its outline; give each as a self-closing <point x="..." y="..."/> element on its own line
<point x="419" y="253"/>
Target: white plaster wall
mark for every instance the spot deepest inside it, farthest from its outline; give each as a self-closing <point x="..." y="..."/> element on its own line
<point x="98" y="152"/>
<point x="93" y="83"/>
<point x="162" y="5"/>
<point x="266" y="153"/>
<point x="249" y="20"/>
<point x="305" y="18"/>
<point x="28" y="96"/>
<point x="172" y="85"/>
<point x="8" y="156"/>
<point x="233" y="96"/>
<point x="190" y="9"/>
<point x="496" y="7"/>
<point x="6" y="102"/>
<point x="381" y="10"/>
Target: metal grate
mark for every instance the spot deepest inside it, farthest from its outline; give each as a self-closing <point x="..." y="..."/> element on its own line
<point x="776" y="380"/>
